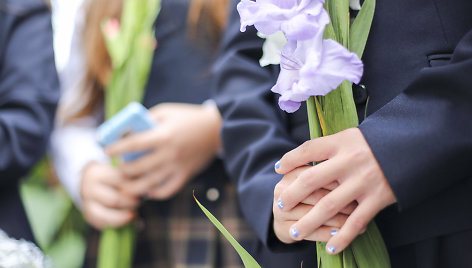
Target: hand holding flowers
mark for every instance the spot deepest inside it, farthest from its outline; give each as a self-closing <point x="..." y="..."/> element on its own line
<point x="285" y="217"/>
<point x="104" y="203"/>
<point x="347" y="161"/>
<point x="318" y="71"/>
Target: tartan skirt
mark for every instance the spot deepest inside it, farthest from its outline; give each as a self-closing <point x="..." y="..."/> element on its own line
<point x="176" y="233"/>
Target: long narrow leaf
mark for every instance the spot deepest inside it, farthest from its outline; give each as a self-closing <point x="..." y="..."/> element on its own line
<point x="348" y="258"/>
<point x="361" y="27"/>
<point x="248" y="260"/>
<point x="369" y="249"/>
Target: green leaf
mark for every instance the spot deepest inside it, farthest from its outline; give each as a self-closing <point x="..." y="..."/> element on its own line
<point x="68" y="251"/>
<point x="336" y="112"/>
<point x="369" y="249"/>
<point x="46" y="210"/>
<point x="339" y="15"/>
<point x="348" y="258"/>
<point x="313" y="120"/>
<point x="327" y="260"/>
<point x="248" y="260"/>
<point x="361" y="27"/>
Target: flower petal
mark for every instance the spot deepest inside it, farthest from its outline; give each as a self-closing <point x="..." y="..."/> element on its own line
<point x="337" y="64"/>
<point x="289" y="106"/>
<point x="271" y="48"/>
<point x="306" y="23"/>
<point x="266" y="17"/>
<point x="355" y="4"/>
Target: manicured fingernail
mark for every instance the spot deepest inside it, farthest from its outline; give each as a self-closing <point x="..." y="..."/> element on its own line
<point x="277" y="165"/>
<point x="331" y="249"/>
<point x="280" y="204"/>
<point x="333" y="232"/>
<point x="294" y="232"/>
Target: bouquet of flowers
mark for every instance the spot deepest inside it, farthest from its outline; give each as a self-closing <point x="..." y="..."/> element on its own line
<point x="130" y="44"/>
<point x="319" y="53"/>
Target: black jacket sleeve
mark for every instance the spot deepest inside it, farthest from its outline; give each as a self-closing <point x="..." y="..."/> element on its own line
<point x="29" y="88"/>
<point x="422" y="139"/>
<point x="254" y="132"/>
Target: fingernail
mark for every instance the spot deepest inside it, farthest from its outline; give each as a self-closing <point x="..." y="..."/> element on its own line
<point x="294" y="232"/>
<point x="333" y="232"/>
<point x="277" y="165"/>
<point x="331" y="249"/>
<point x="280" y="204"/>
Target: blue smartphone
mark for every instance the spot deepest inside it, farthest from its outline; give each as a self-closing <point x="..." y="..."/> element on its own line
<point x="134" y="118"/>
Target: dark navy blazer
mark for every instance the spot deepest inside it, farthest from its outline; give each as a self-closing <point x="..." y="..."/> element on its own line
<point x="29" y="92"/>
<point x="418" y="77"/>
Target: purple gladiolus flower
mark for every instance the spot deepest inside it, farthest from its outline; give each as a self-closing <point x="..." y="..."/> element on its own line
<point x="310" y="66"/>
<point x="314" y="68"/>
<point x="298" y="19"/>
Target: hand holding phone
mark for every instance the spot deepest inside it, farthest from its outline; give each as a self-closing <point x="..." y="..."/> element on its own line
<point x="134" y="118"/>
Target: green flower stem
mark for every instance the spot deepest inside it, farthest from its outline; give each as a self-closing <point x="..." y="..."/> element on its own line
<point x="116" y="247"/>
<point x="336" y="112"/>
<point x="313" y="120"/>
<point x="131" y="53"/>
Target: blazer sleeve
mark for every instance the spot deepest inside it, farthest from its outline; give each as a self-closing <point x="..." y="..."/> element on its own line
<point x="253" y="133"/>
<point x="422" y="139"/>
<point x="29" y="89"/>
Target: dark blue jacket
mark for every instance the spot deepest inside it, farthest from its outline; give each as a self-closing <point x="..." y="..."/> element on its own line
<point x="28" y="96"/>
<point x="418" y="66"/>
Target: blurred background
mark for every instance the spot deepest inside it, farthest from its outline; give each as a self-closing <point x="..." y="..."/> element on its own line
<point x="58" y="226"/>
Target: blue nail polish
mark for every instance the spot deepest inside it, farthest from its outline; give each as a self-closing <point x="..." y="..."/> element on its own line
<point x="331" y="249"/>
<point x="294" y="232"/>
<point x="277" y="165"/>
<point x="333" y="232"/>
<point x="280" y="204"/>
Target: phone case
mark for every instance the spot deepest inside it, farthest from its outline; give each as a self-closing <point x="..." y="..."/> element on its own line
<point x="134" y="118"/>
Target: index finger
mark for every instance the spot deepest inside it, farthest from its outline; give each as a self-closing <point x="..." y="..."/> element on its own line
<point x="135" y="143"/>
<point x="315" y="150"/>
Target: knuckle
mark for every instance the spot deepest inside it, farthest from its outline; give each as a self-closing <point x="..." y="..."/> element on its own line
<point x="307" y="179"/>
<point x="327" y="205"/>
<point x="305" y="148"/>
<point x="278" y="189"/>
<point x="278" y="213"/>
<point x="114" y="202"/>
<point x="368" y="175"/>
<point x="359" y="153"/>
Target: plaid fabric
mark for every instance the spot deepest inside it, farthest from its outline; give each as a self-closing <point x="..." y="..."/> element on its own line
<point x="177" y="234"/>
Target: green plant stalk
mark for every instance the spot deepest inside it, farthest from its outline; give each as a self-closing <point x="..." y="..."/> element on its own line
<point x="116" y="247"/>
<point x="131" y="53"/>
<point x="336" y="112"/>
